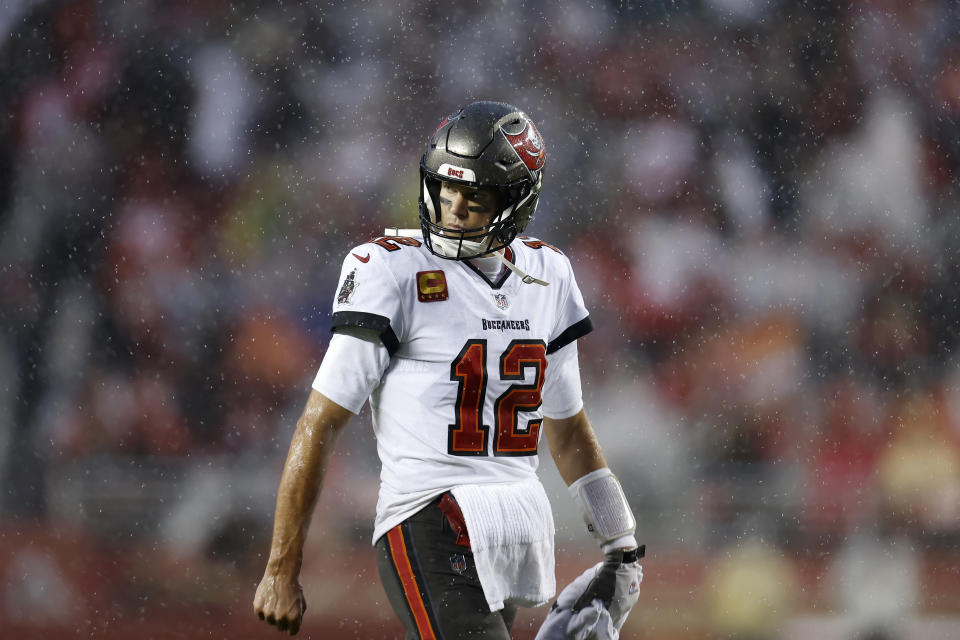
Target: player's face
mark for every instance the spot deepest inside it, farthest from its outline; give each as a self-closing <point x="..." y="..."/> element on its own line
<point x="462" y="207"/>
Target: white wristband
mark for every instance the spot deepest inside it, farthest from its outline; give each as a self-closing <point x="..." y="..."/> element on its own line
<point x="623" y="542"/>
<point x="604" y="507"/>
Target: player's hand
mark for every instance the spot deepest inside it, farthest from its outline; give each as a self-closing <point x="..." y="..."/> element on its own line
<point x="616" y="585"/>
<point x="280" y="603"/>
<point x="595" y="605"/>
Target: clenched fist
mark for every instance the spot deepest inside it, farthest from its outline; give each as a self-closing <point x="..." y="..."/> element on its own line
<point x="280" y="603"/>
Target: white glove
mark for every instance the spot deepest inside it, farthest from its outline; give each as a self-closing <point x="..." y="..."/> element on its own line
<point x="595" y="605"/>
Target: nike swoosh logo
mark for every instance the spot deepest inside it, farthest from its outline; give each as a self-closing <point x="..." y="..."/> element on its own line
<point x="365" y="259"/>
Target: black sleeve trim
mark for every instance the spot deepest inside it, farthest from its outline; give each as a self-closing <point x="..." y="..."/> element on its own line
<point x="363" y="320"/>
<point x="574" y="331"/>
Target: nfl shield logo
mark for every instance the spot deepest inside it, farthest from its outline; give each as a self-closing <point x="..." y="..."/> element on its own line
<point x="502" y="302"/>
<point x="458" y="563"/>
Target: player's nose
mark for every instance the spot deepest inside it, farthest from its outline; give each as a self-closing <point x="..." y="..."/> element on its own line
<point x="458" y="205"/>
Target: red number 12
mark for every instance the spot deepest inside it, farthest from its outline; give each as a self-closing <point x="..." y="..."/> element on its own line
<point x="469" y="436"/>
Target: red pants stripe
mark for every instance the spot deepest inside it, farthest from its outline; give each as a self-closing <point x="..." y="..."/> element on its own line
<point x="411" y="590"/>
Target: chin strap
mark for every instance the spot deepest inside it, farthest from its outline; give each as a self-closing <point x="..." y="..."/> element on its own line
<point x="524" y="277"/>
<point x="397" y="232"/>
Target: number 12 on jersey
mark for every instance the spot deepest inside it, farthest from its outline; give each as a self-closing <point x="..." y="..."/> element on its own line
<point x="469" y="436"/>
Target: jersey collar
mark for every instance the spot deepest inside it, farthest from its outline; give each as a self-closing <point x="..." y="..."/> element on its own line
<point x="504" y="275"/>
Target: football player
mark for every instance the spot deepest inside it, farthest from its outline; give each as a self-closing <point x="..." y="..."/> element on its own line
<point x="462" y="336"/>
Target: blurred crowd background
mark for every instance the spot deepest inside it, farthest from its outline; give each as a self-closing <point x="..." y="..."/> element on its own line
<point x="759" y="197"/>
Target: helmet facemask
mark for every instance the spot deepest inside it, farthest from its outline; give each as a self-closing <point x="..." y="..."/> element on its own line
<point x="458" y="244"/>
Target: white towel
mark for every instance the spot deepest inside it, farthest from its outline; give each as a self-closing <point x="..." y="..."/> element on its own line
<point x="511" y="535"/>
<point x="595" y="621"/>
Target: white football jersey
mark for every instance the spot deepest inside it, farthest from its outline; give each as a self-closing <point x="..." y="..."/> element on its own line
<point x="460" y="401"/>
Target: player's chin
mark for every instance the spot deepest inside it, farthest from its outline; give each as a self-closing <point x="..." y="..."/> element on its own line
<point x="454" y="234"/>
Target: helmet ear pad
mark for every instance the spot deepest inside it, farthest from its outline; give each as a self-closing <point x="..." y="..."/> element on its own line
<point x="526" y="205"/>
<point x="506" y="232"/>
<point x="430" y="197"/>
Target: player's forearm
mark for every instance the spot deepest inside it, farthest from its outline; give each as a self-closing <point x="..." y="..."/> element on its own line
<point x="296" y="498"/>
<point x="303" y="473"/>
<point x="577" y="454"/>
<point x="575" y="448"/>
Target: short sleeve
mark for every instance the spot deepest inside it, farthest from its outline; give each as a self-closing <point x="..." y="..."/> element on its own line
<point x="351" y="368"/>
<point x="368" y="297"/>
<point x="573" y="319"/>
<point x="562" y="394"/>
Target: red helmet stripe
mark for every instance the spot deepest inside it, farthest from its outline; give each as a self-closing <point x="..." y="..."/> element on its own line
<point x="440" y="126"/>
<point x="528" y="144"/>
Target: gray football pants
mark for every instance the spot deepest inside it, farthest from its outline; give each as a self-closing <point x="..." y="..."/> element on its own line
<point x="431" y="581"/>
